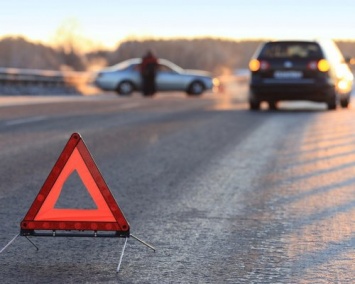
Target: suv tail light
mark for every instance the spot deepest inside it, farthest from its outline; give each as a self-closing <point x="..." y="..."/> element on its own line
<point x="321" y="65"/>
<point x="312" y="65"/>
<point x="256" y="65"/>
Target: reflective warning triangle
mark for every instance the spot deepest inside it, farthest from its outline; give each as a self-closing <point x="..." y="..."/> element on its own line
<point x="107" y="216"/>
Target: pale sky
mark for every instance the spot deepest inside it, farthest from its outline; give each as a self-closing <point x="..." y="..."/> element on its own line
<point x="108" y="22"/>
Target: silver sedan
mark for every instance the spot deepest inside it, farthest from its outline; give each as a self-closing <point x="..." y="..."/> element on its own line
<point x="124" y="78"/>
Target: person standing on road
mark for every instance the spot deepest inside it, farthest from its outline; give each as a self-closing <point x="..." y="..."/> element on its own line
<point x="148" y="69"/>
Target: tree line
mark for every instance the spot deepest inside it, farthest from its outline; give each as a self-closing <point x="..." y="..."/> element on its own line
<point x="211" y="54"/>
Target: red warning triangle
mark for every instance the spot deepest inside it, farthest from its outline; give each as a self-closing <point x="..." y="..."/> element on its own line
<point x="107" y="215"/>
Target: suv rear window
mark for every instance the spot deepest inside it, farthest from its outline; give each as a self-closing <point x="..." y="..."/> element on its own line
<point x="291" y="50"/>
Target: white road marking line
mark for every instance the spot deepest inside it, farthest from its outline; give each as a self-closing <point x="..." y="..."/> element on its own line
<point x="24" y="120"/>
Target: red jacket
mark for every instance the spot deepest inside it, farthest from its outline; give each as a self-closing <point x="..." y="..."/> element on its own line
<point x="148" y="65"/>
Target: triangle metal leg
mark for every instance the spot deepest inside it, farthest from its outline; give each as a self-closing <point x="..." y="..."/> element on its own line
<point x="143" y="242"/>
<point x="10" y="242"/>
<point x="32" y="243"/>
<point x="121" y="257"/>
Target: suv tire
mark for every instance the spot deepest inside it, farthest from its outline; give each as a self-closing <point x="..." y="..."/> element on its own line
<point x="332" y="103"/>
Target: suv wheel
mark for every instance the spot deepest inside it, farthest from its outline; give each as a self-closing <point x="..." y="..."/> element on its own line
<point x="344" y="102"/>
<point x="254" y="105"/>
<point x="332" y="103"/>
<point x="272" y="105"/>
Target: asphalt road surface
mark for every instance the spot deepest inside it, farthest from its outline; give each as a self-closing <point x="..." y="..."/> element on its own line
<point x="224" y="194"/>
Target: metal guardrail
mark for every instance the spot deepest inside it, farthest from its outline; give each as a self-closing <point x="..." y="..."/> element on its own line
<point x="42" y="77"/>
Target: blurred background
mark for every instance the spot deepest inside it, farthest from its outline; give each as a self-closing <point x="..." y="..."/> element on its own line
<point x="218" y="36"/>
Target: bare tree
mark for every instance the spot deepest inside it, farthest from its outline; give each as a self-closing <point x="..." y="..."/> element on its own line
<point x="71" y="44"/>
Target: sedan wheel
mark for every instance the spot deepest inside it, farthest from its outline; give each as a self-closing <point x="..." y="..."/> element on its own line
<point x="125" y="88"/>
<point x="196" y="88"/>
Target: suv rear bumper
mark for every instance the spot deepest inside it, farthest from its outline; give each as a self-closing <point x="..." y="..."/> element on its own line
<point x="311" y="91"/>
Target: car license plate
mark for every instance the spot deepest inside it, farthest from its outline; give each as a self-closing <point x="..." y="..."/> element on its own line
<point x="288" y="74"/>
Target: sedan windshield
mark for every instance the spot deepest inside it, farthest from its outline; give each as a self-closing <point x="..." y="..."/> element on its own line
<point x="124" y="65"/>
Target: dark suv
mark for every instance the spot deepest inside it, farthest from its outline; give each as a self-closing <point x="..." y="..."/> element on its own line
<point x="299" y="70"/>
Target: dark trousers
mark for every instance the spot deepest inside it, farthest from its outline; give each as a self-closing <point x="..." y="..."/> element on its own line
<point x="148" y="86"/>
